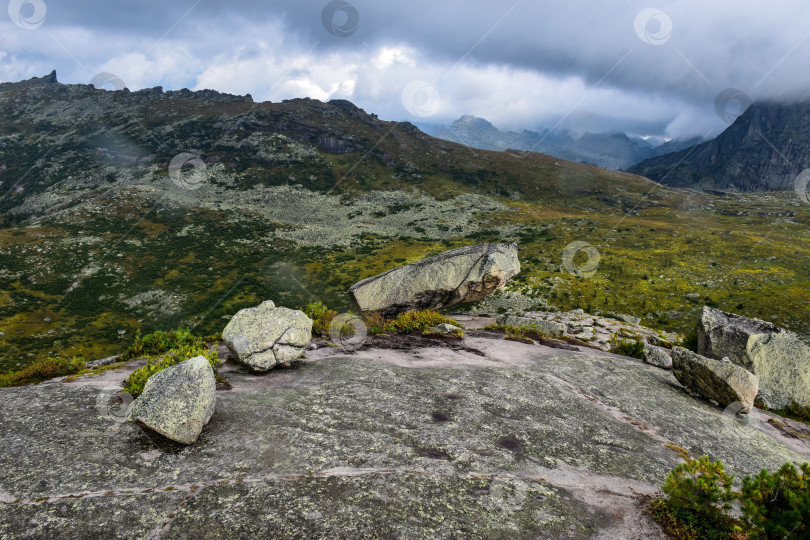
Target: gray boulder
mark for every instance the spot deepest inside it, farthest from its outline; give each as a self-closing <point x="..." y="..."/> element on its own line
<point x="658" y="357"/>
<point x="550" y="328"/>
<point x="466" y="274"/>
<point x="776" y="356"/>
<point x="265" y="336"/>
<point x="716" y="380"/>
<point x="178" y="401"/>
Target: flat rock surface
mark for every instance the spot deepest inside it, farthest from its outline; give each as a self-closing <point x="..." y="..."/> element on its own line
<point x="486" y="439"/>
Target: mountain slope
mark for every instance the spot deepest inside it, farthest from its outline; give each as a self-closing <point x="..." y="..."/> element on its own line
<point x="102" y="235"/>
<point x="764" y="149"/>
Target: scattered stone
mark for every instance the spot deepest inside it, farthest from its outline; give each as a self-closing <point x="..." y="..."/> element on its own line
<point x="776" y="356"/>
<point x="177" y="401"/>
<point x="103" y="362"/>
<point x="599" y="332"/>
<point x="265" y="336"/>
<point x="629" y="319"/>
<point x="446" y="328"/>
<point x="549" y="328"/>
<point x="658" y="357"/>
<point x="460" y="275"/>
<point x="723" y="382"/>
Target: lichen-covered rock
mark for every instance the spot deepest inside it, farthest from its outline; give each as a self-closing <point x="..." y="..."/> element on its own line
<point x="446" y="328"/>
<point x="177" y="401"/>
<point x="550" y="328"/>
<point x="719" y="380"/>
<point x="779" y="359"/>
<point x="658" y="357"/>
<point x="466" y="274"/>
<point x="264" y="336"/>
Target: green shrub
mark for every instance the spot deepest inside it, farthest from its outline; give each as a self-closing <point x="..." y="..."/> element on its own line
<point x="164" y="349"/>
<point x="405" y="323"/>
<point x="159" y="342"/>
<point x="625" y="347"/>
<point x="689" y="340"/>
<point x="137" y="379"/>
<point x="777" y="505"/>
<point x="42" y="370"/>
<point x="321" y="317"/>
<point x="699" y="497"/>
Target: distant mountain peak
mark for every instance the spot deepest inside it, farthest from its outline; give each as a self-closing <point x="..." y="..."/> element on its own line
<point x="764" y="149"/>
<point x="613" y="150"/>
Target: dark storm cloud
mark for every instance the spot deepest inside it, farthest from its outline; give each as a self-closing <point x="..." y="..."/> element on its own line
<point x="520" y="64"/>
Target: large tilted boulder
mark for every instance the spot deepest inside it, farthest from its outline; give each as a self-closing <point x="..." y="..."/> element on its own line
<point x="466" y="274"/>
<point x="265" y="336"/>
<point x="719" y="380"/>
<point x="177" y="401"/>
<point x="776" y="356"/>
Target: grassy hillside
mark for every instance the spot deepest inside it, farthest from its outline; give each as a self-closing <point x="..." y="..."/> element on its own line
<point x="301" y="199"/>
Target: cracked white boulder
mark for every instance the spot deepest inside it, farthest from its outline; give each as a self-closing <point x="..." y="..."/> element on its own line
<point x="466" y="274"/>
<point x="265" y="336"/>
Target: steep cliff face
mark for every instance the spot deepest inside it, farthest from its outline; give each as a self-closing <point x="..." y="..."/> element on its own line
<point x="764" y="149"/>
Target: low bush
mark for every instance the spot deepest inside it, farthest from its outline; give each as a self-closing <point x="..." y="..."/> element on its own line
<point x="42" y="370"/>
<point x="777" y="505"/>
<point x="625" y="347"/>
<point x="159" y="342"/>
<point x="405" y="323"/>
<point x="699" y="497"/>
<point x="165" y="349"/>
<point x="321" y="317"/>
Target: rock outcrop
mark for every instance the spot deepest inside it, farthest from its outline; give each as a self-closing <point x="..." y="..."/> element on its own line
<point x="265" y="336"/>
<point x="776" y="356"/>
<point x="177" y="401"/>
<point x="460" y="275"/>
<point x="501" y="440"/>
<point x="721" y="381"/>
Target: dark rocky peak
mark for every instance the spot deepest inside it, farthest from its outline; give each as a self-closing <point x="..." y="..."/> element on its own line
<point x="50" y="78"/>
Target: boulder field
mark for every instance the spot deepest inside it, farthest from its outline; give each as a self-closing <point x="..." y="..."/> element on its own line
<point x="410" y="437"/>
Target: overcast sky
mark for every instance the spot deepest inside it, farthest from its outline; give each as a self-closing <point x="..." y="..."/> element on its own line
<point x="646" y="67"/>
